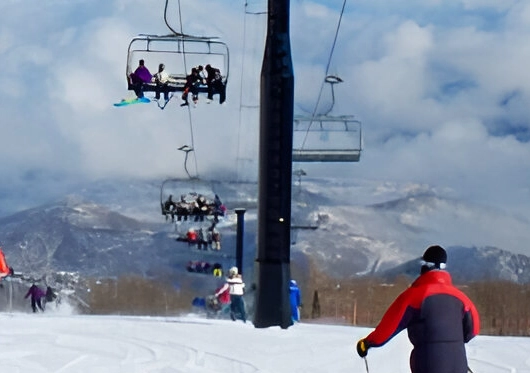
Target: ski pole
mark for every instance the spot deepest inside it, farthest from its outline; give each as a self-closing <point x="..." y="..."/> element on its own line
<point x="366" y="364"/>
<point x="469" y="369"/>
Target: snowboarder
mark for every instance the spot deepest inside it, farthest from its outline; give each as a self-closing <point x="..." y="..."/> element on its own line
<point x="439" y="319"/>
<point x="139" y="77"/>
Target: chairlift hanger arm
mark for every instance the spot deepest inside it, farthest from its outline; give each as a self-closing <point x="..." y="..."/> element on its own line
<point x="175" y="33"/>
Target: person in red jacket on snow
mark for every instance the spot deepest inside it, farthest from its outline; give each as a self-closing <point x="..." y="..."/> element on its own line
<point x="439" y="319"/>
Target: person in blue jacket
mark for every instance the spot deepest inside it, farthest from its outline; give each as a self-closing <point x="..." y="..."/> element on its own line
<point x="439" y="319"/>
<point x="294" y="297"/>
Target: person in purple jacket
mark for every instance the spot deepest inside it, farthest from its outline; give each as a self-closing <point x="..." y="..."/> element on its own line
<point x="36" y="294"/>
<point x="140" y="76"/>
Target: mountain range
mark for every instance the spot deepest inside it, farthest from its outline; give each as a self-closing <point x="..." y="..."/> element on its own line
<point x="115" y="227"/>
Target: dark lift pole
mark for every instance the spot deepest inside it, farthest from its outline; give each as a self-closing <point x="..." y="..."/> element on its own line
<point x="275" y="168"/>
<point x="240" y="212"/>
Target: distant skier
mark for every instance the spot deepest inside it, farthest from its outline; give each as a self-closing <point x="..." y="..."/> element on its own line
<point x="36" y="294"/>
<point x="294" y="297"/>
<point x="51" y="295"/>
<point x="439" y="319"/>
<point x="224" y="296"/>
<point x="218" y="305"/>
<point x="236" y="286"/>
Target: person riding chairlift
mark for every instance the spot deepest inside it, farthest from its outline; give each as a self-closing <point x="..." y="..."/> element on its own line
<point x="215" y="84"/>
<point x="162" y="80"/>
<point x="139" y="77"/>
<point x="192" y="86"/>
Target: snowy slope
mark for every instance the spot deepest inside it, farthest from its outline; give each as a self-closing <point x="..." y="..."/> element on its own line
<point x="88" y="344"/>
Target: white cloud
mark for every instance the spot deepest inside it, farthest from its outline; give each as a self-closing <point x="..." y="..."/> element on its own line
<point x="6" y="40"/>
<point x="441" y="88"/>
<point x="496" y="5"/>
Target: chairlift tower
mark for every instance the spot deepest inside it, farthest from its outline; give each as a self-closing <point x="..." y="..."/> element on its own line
<point x="275" y="173"/>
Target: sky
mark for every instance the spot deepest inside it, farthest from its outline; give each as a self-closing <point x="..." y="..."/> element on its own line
<point x="440" y="87"/>
<point x="56" y="342"/>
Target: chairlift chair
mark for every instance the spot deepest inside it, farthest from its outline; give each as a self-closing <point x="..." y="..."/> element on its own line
<point x="176" y="188"/>
<point x="179" y="54"/>
<point x="327" y="139"/>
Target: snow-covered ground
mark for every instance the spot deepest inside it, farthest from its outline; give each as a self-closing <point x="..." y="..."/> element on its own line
<point x="61" y="343"/>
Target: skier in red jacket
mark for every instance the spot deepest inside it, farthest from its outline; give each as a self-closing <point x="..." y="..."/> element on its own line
<point x="439" y="319"/>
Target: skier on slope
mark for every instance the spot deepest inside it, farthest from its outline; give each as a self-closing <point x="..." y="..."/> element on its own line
<point x="236" y="286"/>
<point x="294" y="298"/>
<point x="439" y="319"/>
<point x="36" y="294"/>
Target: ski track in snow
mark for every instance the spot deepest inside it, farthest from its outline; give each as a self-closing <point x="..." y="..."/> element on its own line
<point x="114" y="344"/>
<point x="104" y="344"/>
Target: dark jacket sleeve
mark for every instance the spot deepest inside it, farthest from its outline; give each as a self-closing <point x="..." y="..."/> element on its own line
<point x="471" y="320"/>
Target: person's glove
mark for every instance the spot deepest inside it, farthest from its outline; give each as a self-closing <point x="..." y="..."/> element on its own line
<point x="362" y="347"/>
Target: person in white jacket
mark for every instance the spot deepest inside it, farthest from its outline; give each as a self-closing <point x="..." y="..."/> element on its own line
<point x="162" y="79"/>
<point x="236" y="286"/>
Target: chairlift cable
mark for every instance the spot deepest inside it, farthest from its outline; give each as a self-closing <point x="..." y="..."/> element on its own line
<point x="255" y="12"/>
<point x="243" y="145"/>
<point x="167" y="23"/>
<point x="327" y="72"/>
<point x="241" y="83"/>
<point x="185" y="69"/>
<point x="189" y="110"/>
